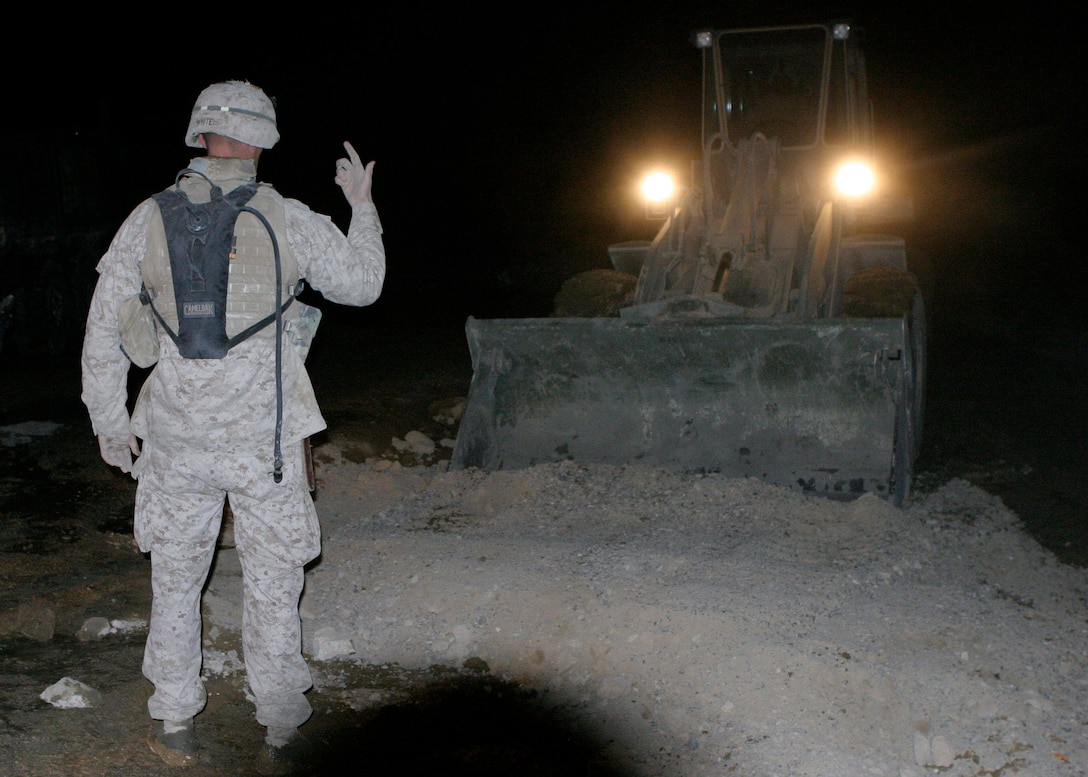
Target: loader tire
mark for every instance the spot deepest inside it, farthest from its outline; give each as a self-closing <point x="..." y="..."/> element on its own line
<point x="594" y="294"/>
<point x="879" y="292"/>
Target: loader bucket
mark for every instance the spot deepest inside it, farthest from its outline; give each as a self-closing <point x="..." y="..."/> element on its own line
<point x="820" y="405"/>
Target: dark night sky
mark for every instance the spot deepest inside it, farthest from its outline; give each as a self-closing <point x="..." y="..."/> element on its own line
<point x="508" y="145"/>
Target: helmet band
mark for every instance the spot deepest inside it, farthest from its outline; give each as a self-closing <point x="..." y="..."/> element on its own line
<point x="228" y="109"/>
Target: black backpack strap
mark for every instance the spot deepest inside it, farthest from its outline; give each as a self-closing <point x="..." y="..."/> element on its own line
<point x="253" y="329"/>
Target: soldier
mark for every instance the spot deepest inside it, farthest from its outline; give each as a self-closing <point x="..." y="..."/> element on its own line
<point x="200" y="281"/>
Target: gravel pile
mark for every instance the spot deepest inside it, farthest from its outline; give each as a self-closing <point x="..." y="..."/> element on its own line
<point x="701" y="625"/>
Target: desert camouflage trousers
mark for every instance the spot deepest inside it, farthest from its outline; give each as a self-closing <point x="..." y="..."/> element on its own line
<point x="179" y="508"/>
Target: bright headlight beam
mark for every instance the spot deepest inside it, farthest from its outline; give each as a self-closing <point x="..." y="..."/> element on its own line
<point x="855" y="179"/>
<point x="658" y="187"/>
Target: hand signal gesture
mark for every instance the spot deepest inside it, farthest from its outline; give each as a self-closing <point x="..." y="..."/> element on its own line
<point x="354" y="178"/>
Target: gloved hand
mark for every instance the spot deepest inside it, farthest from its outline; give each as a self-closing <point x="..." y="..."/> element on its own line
<point x="354" y="178"/>
<point x="118" y="452"/>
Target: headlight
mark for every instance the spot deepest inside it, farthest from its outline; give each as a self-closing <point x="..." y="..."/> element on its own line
<point x="854" y="179"/>
<point x="658" y="187"/>
<point x="657" y="194"/>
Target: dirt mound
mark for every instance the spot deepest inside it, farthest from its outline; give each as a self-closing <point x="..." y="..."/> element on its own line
<point x="699" y="622"/>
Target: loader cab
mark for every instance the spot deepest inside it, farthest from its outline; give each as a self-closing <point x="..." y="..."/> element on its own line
<point x="804" y="86"/>
<point x="801" y="88"/>
<point x="759" y="231"/>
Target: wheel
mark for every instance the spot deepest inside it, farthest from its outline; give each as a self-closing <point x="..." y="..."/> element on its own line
<point x="595" y="294"/>
<point x="879" y="292"/>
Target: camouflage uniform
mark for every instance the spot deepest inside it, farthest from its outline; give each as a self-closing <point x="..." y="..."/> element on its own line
<point x="208" y="427"/>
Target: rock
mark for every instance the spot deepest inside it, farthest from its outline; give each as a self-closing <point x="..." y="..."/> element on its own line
<point x="327" y="645"/>
<point x="415" y="442"/>
<point x="932" y="753"/>
<point x="941" y="752"/>
<point x="125" y="627"/>
<point x="223" y="664"/>
<point x="449" y="411"/>
<point x="68" y="693"/>
<point x="476" y="664"/>
<point x="94" y="628"/>
<point x="921" y="749"/>
<point x="36" y="622"/>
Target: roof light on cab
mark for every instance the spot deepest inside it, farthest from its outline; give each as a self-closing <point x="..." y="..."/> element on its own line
<point x="703" y="39"/>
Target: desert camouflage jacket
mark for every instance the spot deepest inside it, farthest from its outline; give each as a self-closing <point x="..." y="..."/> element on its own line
<point x="224" y="404"/>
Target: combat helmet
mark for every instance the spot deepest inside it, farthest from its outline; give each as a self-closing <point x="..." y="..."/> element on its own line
<point x="235" y="109"/>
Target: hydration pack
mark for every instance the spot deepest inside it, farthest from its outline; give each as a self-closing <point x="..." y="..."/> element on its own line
<point x="200" y="240"/>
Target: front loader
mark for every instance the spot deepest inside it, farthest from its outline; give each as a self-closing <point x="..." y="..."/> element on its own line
<point x="774" y="329"/>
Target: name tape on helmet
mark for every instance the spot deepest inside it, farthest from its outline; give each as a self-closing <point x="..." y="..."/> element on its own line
<point x="229" y="109"/>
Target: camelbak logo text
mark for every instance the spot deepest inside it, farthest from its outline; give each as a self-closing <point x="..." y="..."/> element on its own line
<point x="198" y="310"/>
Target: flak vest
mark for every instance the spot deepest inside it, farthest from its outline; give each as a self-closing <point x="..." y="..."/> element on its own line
<point x="215" y="273"/>
<point x="210" y="268"/>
